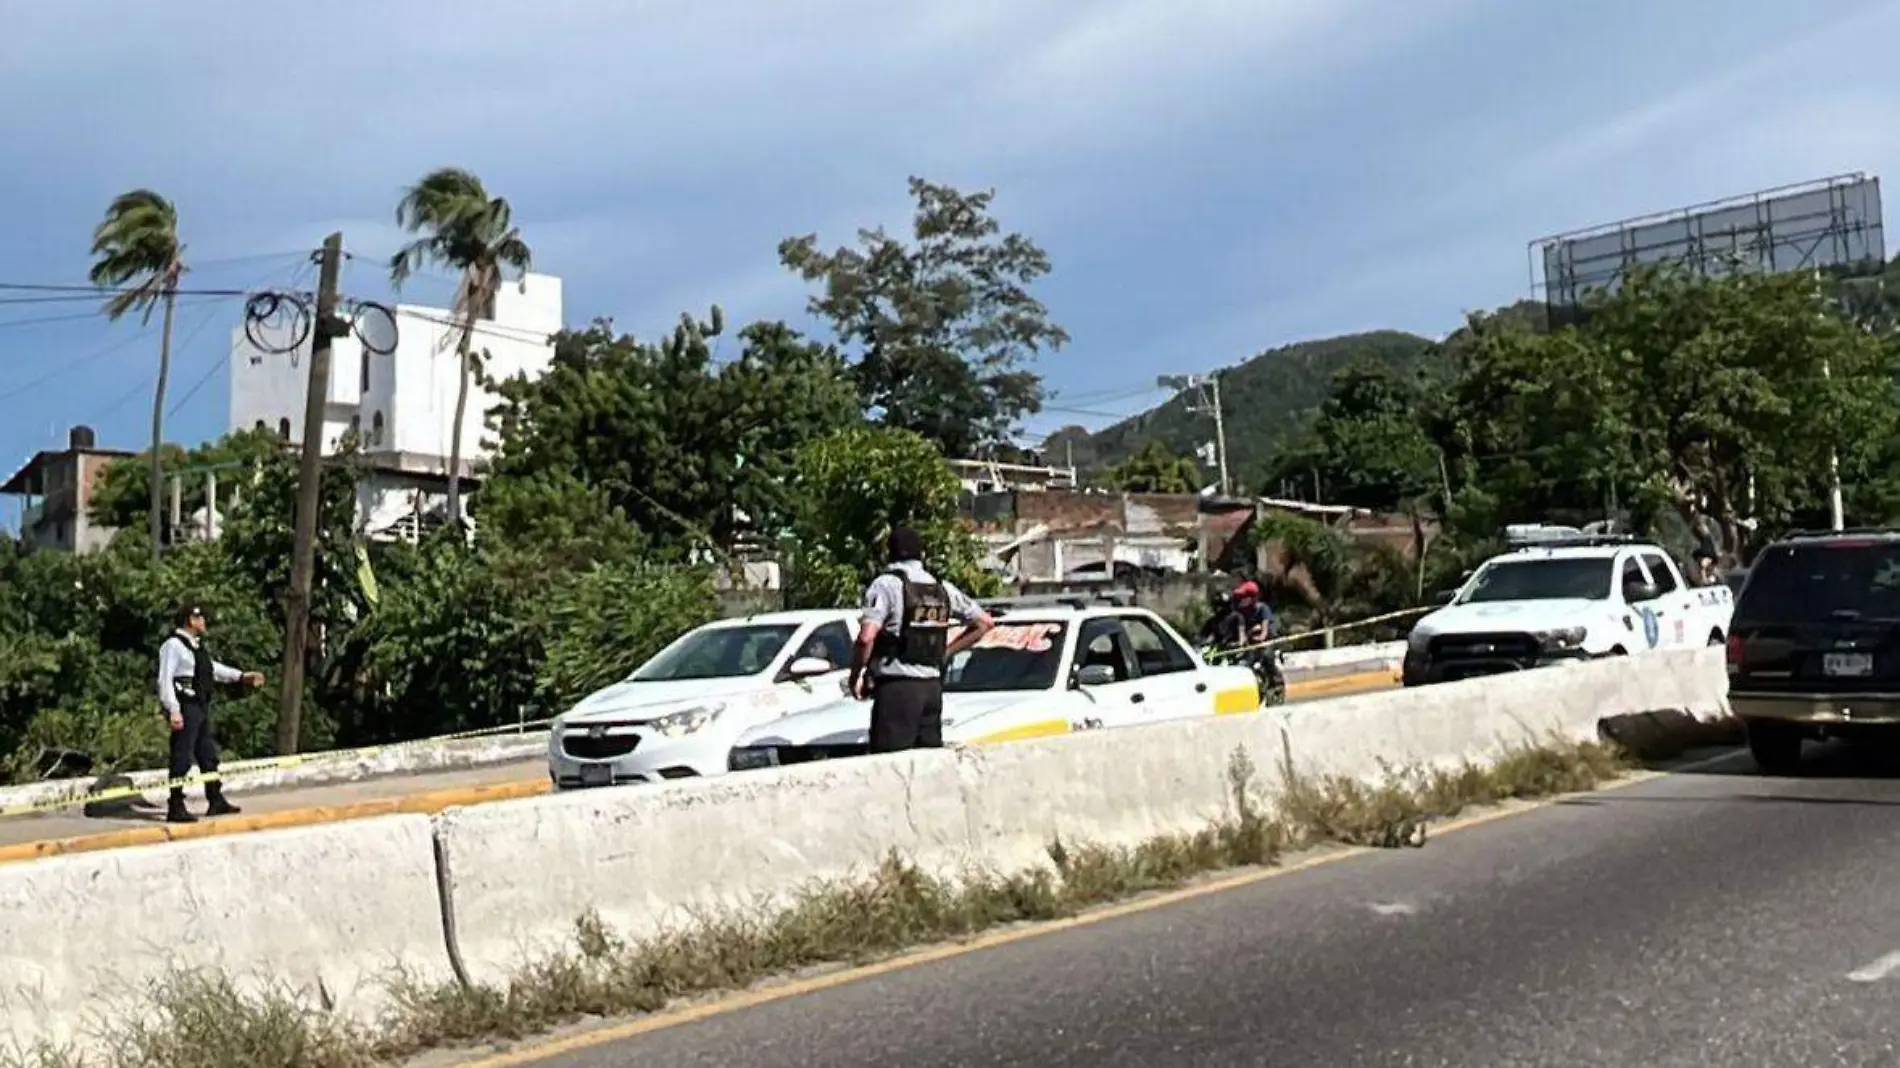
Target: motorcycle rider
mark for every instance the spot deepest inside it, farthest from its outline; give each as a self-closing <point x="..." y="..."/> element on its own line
<point x="1245" y="621"/>
<point x="1256" y="616"/>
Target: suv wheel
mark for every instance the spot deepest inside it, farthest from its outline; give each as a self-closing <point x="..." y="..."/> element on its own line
<point x="1776" y="747"/>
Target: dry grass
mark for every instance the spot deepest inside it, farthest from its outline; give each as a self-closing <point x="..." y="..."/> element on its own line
<point x="204" y="1022"/>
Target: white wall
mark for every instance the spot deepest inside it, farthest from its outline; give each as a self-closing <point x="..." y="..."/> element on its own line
<point x="413" y="389"/>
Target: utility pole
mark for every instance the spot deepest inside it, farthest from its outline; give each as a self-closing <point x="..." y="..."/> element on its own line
<point x="325" y="328"/>
<point x="1220" y="433"/>
<point x="1208" y="387"/>
<point x="1835" y="509"/>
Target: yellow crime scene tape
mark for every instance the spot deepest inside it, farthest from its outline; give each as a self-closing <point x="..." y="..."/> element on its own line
<point x="242" y="767"/>
<point x="1272" y="643"/>
<point x="237" y="768"/>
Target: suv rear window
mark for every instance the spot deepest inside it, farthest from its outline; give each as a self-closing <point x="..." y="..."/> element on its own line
<point x="1814" y="582"/>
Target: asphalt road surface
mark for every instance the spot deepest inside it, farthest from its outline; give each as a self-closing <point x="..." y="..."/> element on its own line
<point x="1714" y="918"/>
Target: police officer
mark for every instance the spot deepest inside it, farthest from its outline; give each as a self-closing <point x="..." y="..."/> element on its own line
<point x="186" y="676"/>
<point x="904" y="643"/>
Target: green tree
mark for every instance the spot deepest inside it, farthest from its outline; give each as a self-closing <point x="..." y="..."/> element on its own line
<point x="136" y="250"/>
<point x="851" y="488"/>
<point x="943" y="326"/>
<point x="694" y="453"/>
<point x="462" y="228"/>
<point x="1367" y="446"/>
<point x="1154" y="468"/>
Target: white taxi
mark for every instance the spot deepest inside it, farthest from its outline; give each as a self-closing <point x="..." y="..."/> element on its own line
<point x="677" y="715"/>
<point x="1043" y="670"/>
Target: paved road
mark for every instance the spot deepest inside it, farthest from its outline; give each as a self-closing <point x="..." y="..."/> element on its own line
<point x="1336" y="681"/>
<point x="1696" y="920"/>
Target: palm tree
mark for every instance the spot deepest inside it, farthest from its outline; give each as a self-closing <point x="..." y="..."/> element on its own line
<point x="459" y="226"/>
<point x="137" y="252"/>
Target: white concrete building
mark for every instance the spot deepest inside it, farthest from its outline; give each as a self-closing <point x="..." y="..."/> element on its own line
<point x="402" y="405"/>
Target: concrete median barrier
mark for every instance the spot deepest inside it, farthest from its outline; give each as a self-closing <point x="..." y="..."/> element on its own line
<point x="334" y="912"/>
<point x="1113" y="787"/>
<point x="649" y="859"/>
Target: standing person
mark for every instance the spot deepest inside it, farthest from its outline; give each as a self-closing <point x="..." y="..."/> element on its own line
<point x="186" y="676"/>
<point x="904" y="643"/>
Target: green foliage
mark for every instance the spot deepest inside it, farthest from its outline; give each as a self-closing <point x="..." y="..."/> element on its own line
<point x="942" y="327"/>
<point x="1367" y="447"/>
<point x="851" y="489"/>
<point x="608" y="620"/>
<point x="691" y="452"/>
<point x="1154" y="469"/>
<point x="137" y="251"/>
<point x="1672" y="398"/>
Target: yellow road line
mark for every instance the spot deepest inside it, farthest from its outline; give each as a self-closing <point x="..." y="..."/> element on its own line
<point x="664" y="1019"/>
<point x="1341" y="685"/>
<point x="415" y="804"/>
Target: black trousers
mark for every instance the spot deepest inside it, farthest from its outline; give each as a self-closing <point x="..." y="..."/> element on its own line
<point x="906" y="714"/>
<point x="194" y="743"/>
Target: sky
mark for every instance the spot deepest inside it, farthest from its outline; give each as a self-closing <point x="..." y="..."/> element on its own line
<point x="1210" y="179"/>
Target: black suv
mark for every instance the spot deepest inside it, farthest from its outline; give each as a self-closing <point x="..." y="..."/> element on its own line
<point x="1814" y="648"/>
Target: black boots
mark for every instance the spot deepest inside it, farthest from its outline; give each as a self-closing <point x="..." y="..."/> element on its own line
<point x="175" y="810"/>
<point x="215" y="804"/>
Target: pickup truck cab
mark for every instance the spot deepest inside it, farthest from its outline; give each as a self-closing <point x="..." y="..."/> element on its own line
<point x="1561" y="601"/>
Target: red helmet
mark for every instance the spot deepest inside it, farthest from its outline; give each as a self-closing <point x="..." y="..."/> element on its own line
<point x="1247" y="589"/>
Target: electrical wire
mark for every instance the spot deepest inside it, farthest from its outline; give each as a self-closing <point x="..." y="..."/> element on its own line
<point x="297" y="275"/>
<point x="505" y="333"/>
<point x="72" y="317"/>
<point x="107" y="291"/>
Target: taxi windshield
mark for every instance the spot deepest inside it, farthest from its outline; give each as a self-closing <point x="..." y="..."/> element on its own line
<point x="717" y="653"/>
<point x="1012" y="656"/>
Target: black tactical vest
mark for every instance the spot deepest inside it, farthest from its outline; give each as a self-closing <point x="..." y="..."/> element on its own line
<point x="194" y="689"/>
<point x="924" y="630"/>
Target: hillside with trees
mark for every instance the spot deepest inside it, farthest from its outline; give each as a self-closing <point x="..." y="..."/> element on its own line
<point x="1268" y="400"/>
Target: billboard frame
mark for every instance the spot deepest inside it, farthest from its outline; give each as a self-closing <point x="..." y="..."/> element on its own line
<point x="1850" y="222"/>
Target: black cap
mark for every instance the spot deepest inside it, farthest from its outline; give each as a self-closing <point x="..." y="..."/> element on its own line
<point x="905" y="544"/>
<point x="188" y="609"/>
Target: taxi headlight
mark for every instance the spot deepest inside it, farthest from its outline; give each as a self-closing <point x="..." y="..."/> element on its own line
<point x="687" y="720"/>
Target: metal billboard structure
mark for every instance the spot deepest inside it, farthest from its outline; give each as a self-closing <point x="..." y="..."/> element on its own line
<point x="1830" y="223"/>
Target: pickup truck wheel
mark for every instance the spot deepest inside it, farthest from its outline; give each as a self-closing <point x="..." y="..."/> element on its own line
<point x="1776" y="747"/>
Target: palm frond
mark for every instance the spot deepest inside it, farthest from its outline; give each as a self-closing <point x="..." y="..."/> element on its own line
<point x="136" y="243"/>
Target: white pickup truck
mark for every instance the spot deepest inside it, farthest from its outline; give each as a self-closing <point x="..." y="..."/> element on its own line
<point x="1559" y="601"/>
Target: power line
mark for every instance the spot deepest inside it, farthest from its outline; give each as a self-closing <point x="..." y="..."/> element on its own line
<point x="505" y="333"/>
<point x="217" y="366"/>
<point x="73" y="317"/>
<point x="109" y="291"/>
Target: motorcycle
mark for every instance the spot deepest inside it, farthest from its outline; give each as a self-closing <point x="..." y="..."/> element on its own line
<point x="1269" y="669"/>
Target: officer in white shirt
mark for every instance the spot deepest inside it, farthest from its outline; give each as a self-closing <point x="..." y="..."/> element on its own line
<point x="186" y="677"/>
<point x="904" y="643"/>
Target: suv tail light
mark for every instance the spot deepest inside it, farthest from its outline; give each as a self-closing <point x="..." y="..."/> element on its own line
<point x="1735" y="656"/>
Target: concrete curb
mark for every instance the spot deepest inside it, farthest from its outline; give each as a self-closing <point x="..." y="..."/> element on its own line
<point x="423" y="804"/>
